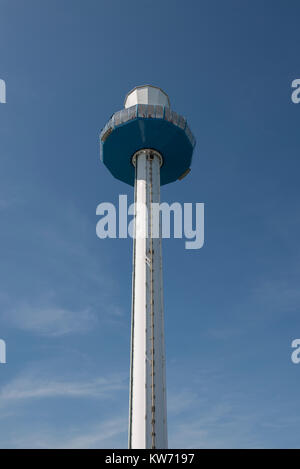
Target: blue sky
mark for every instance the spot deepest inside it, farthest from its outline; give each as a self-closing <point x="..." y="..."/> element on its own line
<point x="231" y="308"/>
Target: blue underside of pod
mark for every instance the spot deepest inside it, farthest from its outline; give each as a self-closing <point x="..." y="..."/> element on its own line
<point x="161" y="135"/>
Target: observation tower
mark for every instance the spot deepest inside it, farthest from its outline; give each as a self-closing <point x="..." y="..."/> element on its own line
<point x="146" y="145"/>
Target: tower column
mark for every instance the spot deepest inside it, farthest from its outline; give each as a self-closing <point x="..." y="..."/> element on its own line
<point x="147" y="409"/>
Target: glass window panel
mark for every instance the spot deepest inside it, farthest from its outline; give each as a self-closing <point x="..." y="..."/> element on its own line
<point x="142" y="110"/>
<point x="125" y="115"/>
<point x="159" y="112"/>
<point x="167" y="114"/>
<point x="132" y="112"/>
<point x="190" y="136"/>
<point x="151" y="110"/>
<point x="103" y="130"/>
<point x="117" y="118"/>
<point x="174" y="117"/>
<point x="181" y="122"/>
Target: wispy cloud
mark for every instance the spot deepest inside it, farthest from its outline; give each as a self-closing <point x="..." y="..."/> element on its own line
<point x="30" y="385"/>
<point x="75" y="291"/>
<point x="50" y="320"/>
<point x="182" y="400"/>
<point x="111" y="433"/>
<point x="99" y="436"/>
<point x="217" y="410"/>
<point x="4" y="204"/>
<point x="278" y="295"/>
<point x="223" y="424"/>
<point x="34" y="385"/>
<point x="9" y="200"/>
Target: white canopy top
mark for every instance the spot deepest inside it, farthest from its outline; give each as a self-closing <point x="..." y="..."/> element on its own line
<point x="147" y="94"/>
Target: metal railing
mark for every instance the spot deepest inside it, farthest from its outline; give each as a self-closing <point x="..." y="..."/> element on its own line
<point x="146" y="111"/>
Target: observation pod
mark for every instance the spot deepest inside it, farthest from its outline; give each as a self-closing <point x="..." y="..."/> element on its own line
<point x="146" y="145"/>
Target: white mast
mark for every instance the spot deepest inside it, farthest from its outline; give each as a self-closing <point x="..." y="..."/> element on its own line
<point x="148" y="416"/>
